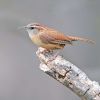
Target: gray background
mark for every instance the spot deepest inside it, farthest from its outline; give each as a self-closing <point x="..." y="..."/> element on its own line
<point x="20" y="76"/>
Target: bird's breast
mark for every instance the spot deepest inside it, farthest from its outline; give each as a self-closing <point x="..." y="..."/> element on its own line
<point x="36" y="40"/>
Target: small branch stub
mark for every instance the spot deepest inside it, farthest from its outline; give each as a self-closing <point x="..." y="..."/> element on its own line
<point x="69" y="75"/>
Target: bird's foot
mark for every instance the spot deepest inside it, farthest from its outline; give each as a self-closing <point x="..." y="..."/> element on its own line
<point x="46" y="51"/>
<point x="53" y="58"/>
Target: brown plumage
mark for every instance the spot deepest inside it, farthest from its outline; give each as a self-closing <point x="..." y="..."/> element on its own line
<point x="49" y="38"/>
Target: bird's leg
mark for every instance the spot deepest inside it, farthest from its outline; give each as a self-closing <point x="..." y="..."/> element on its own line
<point x="50" y="54"/>
<point x="54" y="57"/>
<point x="56" y="54"/>
<point x="47" y="51"/>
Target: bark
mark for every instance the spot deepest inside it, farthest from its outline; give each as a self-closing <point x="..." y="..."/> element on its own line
<point x="69" y="75"/>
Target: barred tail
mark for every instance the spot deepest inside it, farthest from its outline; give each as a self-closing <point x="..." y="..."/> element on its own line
<point x="80" y="39"/>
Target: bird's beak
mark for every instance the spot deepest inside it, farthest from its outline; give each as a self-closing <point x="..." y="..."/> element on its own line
<point x="22" y="27"/>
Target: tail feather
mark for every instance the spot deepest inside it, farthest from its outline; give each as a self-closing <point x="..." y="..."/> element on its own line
<point x="81" y="39"/>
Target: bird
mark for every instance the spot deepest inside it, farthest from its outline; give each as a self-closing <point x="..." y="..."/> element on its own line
<point x="49" y="38"/>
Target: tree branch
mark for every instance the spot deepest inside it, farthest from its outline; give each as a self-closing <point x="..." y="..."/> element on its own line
<point x="69" y="75"/>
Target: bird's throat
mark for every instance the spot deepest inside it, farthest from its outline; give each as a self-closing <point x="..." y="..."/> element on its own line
<point x="30" y="34"/>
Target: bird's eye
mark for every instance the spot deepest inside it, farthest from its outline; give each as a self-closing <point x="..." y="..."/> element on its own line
<point x="31" y="28"/>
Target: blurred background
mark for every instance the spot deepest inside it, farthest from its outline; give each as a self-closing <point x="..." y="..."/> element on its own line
<point x="20" y="76"/>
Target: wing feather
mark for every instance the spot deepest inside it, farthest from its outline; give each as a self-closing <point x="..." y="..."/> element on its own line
<point x="54" y="38"/>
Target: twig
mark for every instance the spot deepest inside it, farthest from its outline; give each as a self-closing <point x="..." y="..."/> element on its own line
<point x="69" y="75"/>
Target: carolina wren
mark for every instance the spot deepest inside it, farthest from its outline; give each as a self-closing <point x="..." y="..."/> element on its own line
<point x="49" y="38"/>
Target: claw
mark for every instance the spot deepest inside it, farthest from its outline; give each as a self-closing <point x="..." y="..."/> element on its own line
<point x="53" y="58"/>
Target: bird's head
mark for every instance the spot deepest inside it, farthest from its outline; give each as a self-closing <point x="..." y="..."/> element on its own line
<point x="30" y="28"/>
<point x="33" y="26"/>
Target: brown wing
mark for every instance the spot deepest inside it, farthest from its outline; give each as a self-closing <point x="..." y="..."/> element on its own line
<point x="54" y="37"/>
